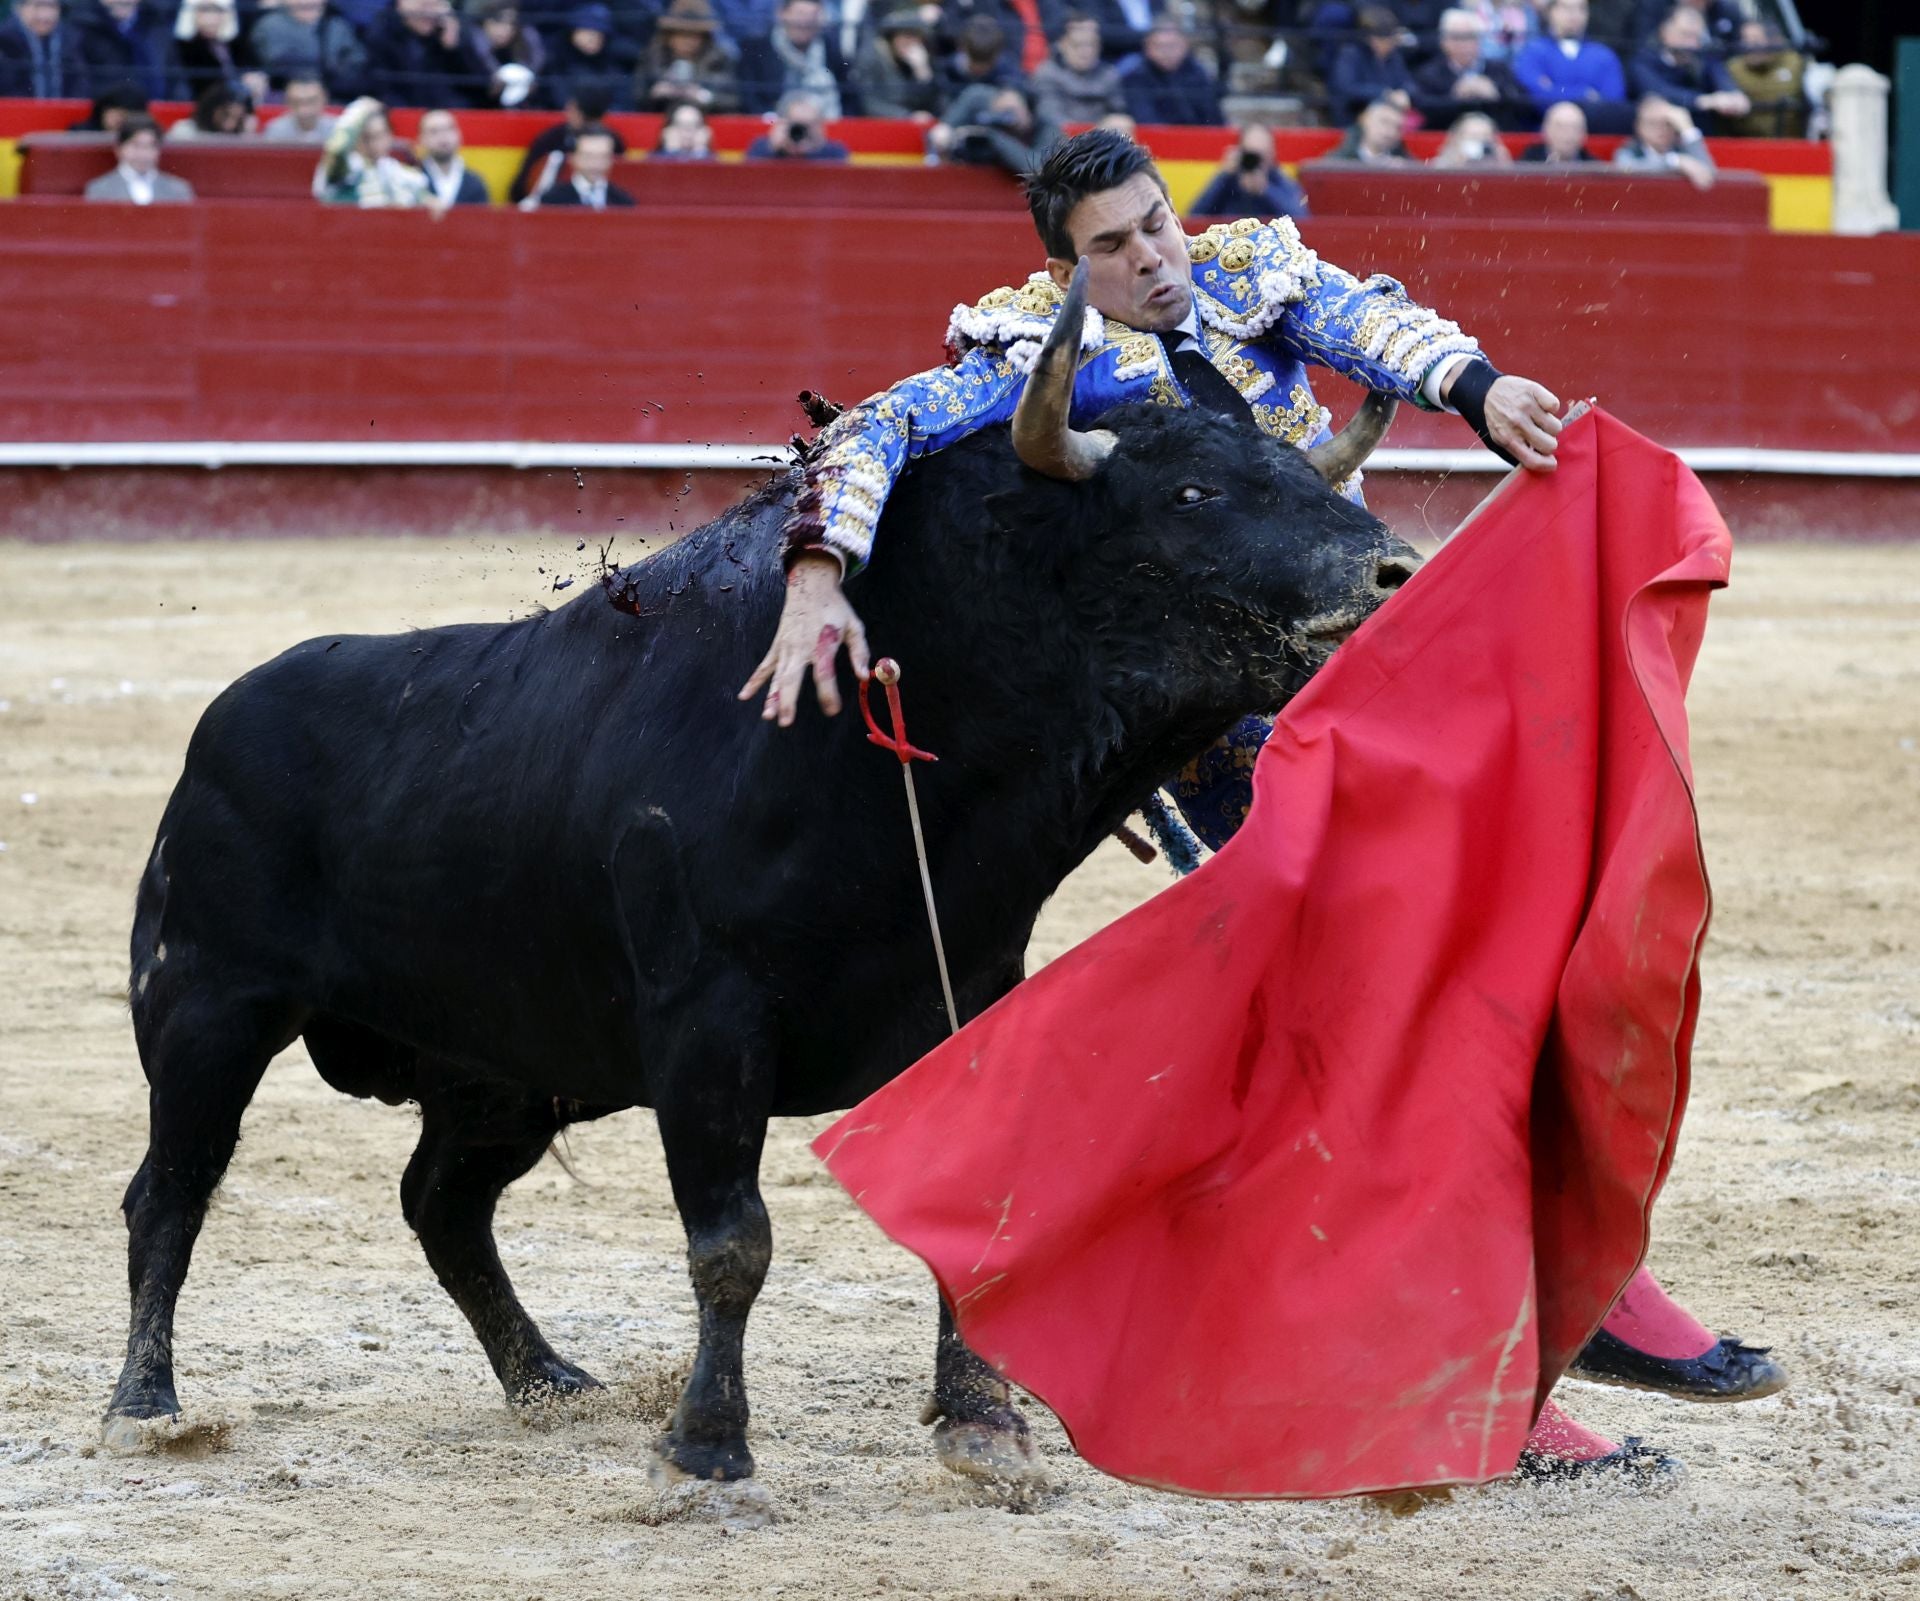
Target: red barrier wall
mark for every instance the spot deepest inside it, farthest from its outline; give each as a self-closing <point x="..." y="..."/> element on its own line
<point x="270" y="321"/>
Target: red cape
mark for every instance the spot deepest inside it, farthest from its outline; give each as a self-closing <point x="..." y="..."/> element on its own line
<point x="1311" y="1175"/>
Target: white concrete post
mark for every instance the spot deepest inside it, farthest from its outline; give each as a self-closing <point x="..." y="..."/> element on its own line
<point x="1858" y="106"/>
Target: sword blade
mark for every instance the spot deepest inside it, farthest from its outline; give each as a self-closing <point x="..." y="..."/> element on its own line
<point x="926" y="889"/>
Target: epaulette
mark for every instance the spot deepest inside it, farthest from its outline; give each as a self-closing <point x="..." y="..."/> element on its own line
<point x="1247" y="273"/>
<point x="1016" y="322"/>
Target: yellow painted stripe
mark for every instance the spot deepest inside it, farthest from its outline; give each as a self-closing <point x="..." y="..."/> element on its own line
<point x="1800" y="202"/>
<point x="9" y="169"/>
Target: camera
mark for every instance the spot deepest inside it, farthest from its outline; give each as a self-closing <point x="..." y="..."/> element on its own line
<point x="798" y="133"/>
<point x="1250" y="161"/>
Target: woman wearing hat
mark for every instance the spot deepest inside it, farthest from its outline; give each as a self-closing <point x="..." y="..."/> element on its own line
<point x="895" y="73"/>
<point x="684" y="65"/>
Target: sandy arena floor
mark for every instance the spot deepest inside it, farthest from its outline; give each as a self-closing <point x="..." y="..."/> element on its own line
<point x="353" y="1443"/>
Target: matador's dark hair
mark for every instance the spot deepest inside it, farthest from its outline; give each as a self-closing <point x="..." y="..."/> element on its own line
<point x="1089" y="162"/>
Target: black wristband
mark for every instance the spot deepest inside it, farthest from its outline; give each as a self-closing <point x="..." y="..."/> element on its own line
<point x="1468" y="396"/>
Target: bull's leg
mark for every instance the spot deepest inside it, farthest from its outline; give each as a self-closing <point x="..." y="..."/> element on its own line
<point x="472" y="1146"/>
<point x="713" y="1132"/>
<point x="204" y="1058"/>
<point x="978" y="1430"/>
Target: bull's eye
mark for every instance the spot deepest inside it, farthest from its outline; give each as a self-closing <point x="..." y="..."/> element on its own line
<point x="1193" y="495"/>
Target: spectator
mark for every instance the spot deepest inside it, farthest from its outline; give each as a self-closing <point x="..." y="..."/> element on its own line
<point x="593" y="151"/>
<point x="1077" y="86"/>
<point x="1677" y="67"/>
<point x="989" y="127"/>
<point x="799" y="133"/>
<point x="306" y="39"/>
<point x="1773" y="77"/>
<point x="1463" y="77"/>
<point x="1377" y="138"/>
<point x="741" y="20"/>
<point x="1373" y="66"/>
<point x="109" y="110"/>
<point x="358" y="166"/>
<point x="684" y="136"/>
<point x="1567" y="65"/>
<point x="1665" y="140"/>
<point x="585" y="59"/>
<point x="979" y="56"/>
<point x="137" y="178"/>
<point x="419" y="54"/>
<point x="40" y="55"/>
<point x="551" y="146"/>
<point x="129" y="44"/>
<point x="1721" y="20"/>
<point x="1563" y="137"/>
<point x="796" y="55"/>
<point x="685" y="66"/>
<point x="1250" y="182"/>
<point x="221" y="112"/>
<point x="1505" y="25"/>
<point x="1025" y="26"/>
<point x="303" y="118"/>
<point x="441" y="164"/>
<point x="1123" y="25"/>
<point x="1165" y="84"/>
<point x="209" y="49"/>
<point x="512" y="55"/>
<point x="1472" y="141"/>
<point x="895" y="73"/>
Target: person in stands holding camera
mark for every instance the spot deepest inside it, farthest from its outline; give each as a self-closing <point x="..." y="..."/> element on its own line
<point x="799" y="133"/>
<point x="989" y="127"/>
<point x="1250" y="182"/>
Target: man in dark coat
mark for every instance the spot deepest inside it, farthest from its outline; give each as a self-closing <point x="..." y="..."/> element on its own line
<point x="1165" y="85"/>
<point x="1680" y="67"/>
<point x="419" y="55"/>
<point x="586" y="105"/>
<point x="1461" y="78"/>
<point x="40" y="55"/>
<point x="1369" y="68"/>
<point x="128" y="44"/>
<point x="588" y="185"/>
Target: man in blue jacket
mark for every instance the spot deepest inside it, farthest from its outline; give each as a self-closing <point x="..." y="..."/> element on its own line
<point x="1564" y="64"/>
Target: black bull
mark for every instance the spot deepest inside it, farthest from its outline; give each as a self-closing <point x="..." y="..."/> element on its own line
<point x="534" y="872"/>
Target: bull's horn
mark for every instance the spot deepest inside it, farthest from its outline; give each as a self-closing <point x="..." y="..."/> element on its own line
<point x="1340" y="457"/>
<point x="1042" y="436"/>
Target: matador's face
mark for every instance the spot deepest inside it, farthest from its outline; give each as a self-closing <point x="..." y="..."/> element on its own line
<point x="1137" y="268"/>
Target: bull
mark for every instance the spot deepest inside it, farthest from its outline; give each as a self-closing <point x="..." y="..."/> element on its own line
<point x="531" y="873"/>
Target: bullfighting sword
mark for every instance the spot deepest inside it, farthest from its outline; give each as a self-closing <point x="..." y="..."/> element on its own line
<point x="887" y="671"/>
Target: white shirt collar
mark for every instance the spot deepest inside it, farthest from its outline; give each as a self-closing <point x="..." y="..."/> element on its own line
<point x="140" y="185"/>
<point x="445" y="184"/>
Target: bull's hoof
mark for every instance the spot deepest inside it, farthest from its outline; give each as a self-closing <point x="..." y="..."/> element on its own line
<point x="998" y="1448"/>
<point x="716" y="1461"/>
<point x="125" y="1433"/>
<point x="552" y="1380"/>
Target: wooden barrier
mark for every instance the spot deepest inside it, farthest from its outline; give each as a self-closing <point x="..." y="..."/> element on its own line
<point x="270" y="321"/>
<point x="1591" y="194"/>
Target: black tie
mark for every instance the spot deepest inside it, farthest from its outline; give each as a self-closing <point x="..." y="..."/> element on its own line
<point x="1210" y="389"/>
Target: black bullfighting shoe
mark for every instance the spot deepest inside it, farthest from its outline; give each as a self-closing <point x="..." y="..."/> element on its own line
<point x="1650" y="1342"/>
<point x="1560" y="1449"/>
<point x="1726" y="1371"/>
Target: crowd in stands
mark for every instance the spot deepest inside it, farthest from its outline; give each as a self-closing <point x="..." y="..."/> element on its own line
<point x="992" y="82"/>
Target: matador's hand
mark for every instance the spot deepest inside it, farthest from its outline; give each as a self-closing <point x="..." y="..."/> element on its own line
<point x="815" y="622"/>
<point x="1520" y="417"/>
